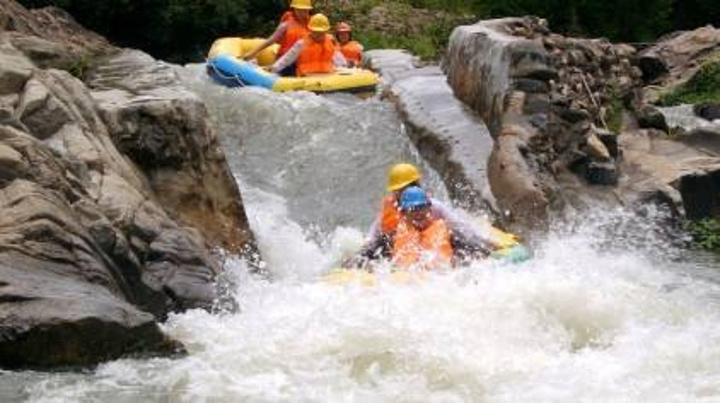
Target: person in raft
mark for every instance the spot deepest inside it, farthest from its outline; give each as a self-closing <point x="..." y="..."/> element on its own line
<point x="351" y="49"/>
<point x="292" y="28"/>
<point x="467" y="240"/>
<point x="316" y="53"/>
<point x="420" y="240"/>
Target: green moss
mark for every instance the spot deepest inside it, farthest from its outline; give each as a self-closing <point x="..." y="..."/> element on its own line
<point x="703" y="87"/>
<point x="82" y="66"/>
<point x="705" y="233"/>
<point x="428" y="45"/>
<point x="615" y="108"/>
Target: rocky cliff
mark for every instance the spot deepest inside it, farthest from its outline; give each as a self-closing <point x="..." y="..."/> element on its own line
<point x="113" y="191"/>
<point x="563" y="111"/>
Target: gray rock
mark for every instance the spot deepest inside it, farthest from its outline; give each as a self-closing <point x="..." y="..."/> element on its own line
<point x="655" y="164"/>
<point x="48" y="319"/>
<point x="536" y="103"/>
<point x="15" y="70"/>
<point x="165" y="129"/>
<point x="45" y="54"/>
<point x="707" y="111"/>
<point x="531" y="86"/>
<point x="677" y="57"/>
<point x="94" y="250"/>
<point x="596" y="148"/>
<point x="700" y="192"/>
<point x="649" y="117"/>
<point x="453" y="140"/>
<point x="573" y="115"/>
<point x="705" y="139"/>
<point x="602" y="173"/>
<point x="653" y="67"/>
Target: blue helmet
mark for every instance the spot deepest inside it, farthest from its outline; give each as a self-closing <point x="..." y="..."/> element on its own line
<point x="413" y="197"/>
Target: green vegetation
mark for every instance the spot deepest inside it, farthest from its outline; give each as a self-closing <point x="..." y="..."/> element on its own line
<point x="428" y="44"/>
<point x="703" y="87"/>
<point x="615" y="108"/>
<point x="705" y="233"/>
<point x="174" y="30"/>
<point x="82" y="66"/>
<point x="422" y="27"/>
<point x="182" y="30"/>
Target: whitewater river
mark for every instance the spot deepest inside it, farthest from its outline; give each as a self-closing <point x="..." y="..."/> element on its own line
<point x="589" y="319"/>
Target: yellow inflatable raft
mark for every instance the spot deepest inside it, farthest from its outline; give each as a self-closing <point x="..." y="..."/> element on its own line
<point x="225" y="65"/>
<point x="512" y="251"/>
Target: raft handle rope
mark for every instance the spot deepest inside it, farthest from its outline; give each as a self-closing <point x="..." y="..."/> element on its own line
<point x="222" y="75"/>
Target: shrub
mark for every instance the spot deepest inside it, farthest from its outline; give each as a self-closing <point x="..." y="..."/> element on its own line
<point x="703" y="87"/>
<point x="705" y="233"/>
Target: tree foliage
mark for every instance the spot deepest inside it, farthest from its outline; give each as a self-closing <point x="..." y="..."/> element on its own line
<point x="182" y="30"/>
<point x="175" y="30"/>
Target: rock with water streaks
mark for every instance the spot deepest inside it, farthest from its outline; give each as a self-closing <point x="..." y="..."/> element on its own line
<point x="449" y="136"/>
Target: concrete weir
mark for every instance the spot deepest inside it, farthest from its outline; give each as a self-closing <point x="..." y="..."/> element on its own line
<point x="454" y="141"/>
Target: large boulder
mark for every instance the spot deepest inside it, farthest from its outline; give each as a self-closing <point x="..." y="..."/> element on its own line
<point x="446" y="133"/>
<point x="113" y="197"/>
<point x="49" y="318"/>
<point x="680" y="55"/>
<point x="675" y="59"/>
<point x="684" y="172"/>
<point x="165" y="129"/>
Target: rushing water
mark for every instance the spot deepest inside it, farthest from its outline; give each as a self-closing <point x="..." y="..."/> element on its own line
<point x="682" y="116"/>
<point x="605" y="312"/>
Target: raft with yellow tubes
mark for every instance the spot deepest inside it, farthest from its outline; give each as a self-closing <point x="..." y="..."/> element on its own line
<point x="511" y="251"/>
<point x="225" y="66"/>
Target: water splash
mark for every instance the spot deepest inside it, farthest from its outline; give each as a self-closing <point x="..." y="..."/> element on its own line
<point x="684" y="117"/>
<point x="576" y="323"/>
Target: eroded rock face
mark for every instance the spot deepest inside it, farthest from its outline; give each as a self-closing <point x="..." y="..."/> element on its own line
<point x="678" y="57"/>
<point x="555" y="106"/>
<point x="165" y="130"/>
<point x="449" y="136"/>
<point x="111" y="198"/>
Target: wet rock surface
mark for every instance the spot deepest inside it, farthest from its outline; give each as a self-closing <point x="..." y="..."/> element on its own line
<point x="113" y="192"/>
<point x="447" y="134"/>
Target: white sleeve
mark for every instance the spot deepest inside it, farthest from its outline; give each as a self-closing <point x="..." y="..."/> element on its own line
<point x="339" y="60"/>
<point x="288" y="58"/>
<point x="455" y="223"/>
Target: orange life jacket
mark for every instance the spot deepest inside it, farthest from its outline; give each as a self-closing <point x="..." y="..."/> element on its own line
<point x="287" y="15"/>
<point x="294" y="32"/>
<point x="352" y="51"/>
<point x="390" y="215"/>
<point x="410" y="243"/>
<point x="316" y="58"/>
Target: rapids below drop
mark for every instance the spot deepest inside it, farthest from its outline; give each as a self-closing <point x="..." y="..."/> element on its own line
<point x="589" y="319"/>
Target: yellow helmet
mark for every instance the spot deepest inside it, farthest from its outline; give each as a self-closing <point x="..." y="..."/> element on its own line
<point x="319" y="23"/>
<point x="301" y="4"/>
<point x="401" y="175"/>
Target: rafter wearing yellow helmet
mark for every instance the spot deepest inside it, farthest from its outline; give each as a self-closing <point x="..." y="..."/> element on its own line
<point x="292" y="28"/>
<point x="316" y="53"/>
